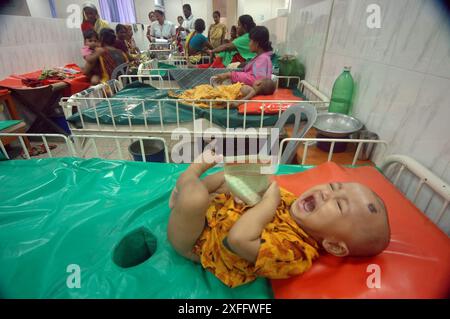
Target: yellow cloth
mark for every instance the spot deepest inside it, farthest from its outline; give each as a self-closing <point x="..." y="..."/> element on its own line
<point x="100" y="25"/>
<point x="285" y="251"/>
<point x="208" y="92"/>
<point x="216" y="32"/>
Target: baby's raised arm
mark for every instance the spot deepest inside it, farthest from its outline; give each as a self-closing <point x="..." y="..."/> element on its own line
<point x="244" y="238"/>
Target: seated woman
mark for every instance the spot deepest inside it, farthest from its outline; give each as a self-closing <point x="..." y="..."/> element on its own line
<point x="107" y="58"/>
<point x="196" y="43"/>
<point x="125" y="41"/>
<point x="238" y="50"/>
<point x="121" y="37"/>
<point x="280" y="236"/>
<point x="130" y="42"/>
<point x="232" y="92"/>
<point x="260" y="67"/>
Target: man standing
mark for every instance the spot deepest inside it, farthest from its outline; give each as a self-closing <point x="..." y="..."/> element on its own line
<point x="188" y="23"/>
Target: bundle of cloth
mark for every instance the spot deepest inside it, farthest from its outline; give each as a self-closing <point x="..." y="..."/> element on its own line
<point x="221" y="93"/>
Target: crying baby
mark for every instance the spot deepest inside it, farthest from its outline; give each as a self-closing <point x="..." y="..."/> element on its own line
<point x="281" y="235"/>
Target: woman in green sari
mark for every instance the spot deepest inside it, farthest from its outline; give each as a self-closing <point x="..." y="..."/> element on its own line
<point x="239" y="49"/>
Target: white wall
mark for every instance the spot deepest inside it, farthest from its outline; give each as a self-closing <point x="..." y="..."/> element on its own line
<point x="28" y="44"/>
<point x="277" y="29"/>
<point x="401" y="70"/>
<point x="62" y="5"/>
<point x="143" y="7"/>
<point x="39" y="8"/>
<point x="260" y="10"/>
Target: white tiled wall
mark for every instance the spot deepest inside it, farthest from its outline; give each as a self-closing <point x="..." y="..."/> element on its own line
<point x="30" y="43"/>
<point x="401" y="70"/>
<point x="307" y="29"/>
<point x="277" y="28"/>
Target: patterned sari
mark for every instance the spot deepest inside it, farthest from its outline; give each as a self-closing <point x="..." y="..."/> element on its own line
<point x="109" y="61"/>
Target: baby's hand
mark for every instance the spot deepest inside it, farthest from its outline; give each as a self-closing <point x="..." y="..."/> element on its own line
<point x="272" y="195"/>
<point x="100" y="50"/>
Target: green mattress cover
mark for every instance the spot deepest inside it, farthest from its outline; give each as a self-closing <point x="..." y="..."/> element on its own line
<point x="69" y="211"/>
<point x="124" y="112"/>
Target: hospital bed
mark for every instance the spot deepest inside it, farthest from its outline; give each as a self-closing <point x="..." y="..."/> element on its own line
<point x="109" y="218"/>
<point x="131" y="105"/>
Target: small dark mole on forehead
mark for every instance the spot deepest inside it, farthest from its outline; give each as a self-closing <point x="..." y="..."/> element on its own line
<point x="372" y="208"/>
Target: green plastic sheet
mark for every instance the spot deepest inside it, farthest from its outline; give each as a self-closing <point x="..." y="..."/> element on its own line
<point x="105" y="217"/>
<point x="125" y="110"/>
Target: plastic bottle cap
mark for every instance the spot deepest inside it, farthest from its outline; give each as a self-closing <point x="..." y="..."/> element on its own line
<point x="347" y="68"/>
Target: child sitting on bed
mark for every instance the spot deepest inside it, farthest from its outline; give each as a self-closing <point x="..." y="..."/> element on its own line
<point x="233" y="92"/>
<point x="91" y="43"/>
<point x="260" y="67"/>
<point x="106" y="58"/>
<point x="281" y="235"/>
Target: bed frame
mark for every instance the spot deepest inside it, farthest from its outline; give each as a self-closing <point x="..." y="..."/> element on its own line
<point x="102" y="92"/>
<point x="413" y="179"/>
<point x="178" y="61"/>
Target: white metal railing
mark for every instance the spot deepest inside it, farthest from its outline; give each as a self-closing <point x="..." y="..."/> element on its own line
<point x="83" y="145"/>
<point x="178" y="61"/>
<point x="394" y="166"/>
<point x="83" y="102"/>
<point x="44" y="139"/>
<point x="308" y="142"/>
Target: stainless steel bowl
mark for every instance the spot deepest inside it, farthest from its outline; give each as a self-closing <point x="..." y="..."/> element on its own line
<point x="336" y="124"/>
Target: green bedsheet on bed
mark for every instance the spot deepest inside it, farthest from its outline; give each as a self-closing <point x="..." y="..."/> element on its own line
<point x="69" y="211"/>
<point x="132" y="111"/>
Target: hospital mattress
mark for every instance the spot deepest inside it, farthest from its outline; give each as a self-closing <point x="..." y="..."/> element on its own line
<point x="125" y="111"/>
<point x="108" y="219"/>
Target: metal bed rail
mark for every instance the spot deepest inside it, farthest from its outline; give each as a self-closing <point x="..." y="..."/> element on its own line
<point x="83" y="146"/>
<point x="420" y="185"/>
<point x="83" y="102"/>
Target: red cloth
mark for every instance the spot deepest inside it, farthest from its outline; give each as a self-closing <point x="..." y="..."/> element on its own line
<point x="86" y="25"/>
<point x="271" y="108"/>
<point x="77" y="82"/>
<point x="217" y="62"/>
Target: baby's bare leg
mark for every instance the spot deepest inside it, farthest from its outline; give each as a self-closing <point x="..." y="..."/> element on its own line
<point x="189" y="203"/>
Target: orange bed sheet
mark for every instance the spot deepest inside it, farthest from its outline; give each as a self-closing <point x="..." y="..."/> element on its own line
<point x="416" y="264"/>
<point x="270" y="108"/>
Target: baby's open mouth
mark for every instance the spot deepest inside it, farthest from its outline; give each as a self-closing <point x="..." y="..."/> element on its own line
<point x="308" y="204"/>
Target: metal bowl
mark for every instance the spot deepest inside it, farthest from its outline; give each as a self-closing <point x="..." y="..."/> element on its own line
<point x="336" y="124"/>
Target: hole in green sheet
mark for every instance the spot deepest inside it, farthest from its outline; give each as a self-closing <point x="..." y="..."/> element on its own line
<point x="135" y="248"/>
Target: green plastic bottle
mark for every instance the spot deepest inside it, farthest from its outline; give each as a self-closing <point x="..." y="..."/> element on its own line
<point x="341" y="97"/>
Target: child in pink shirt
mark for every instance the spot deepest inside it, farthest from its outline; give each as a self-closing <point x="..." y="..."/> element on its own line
<point x="89" y="51"/>
<point x="260" y="67"/>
